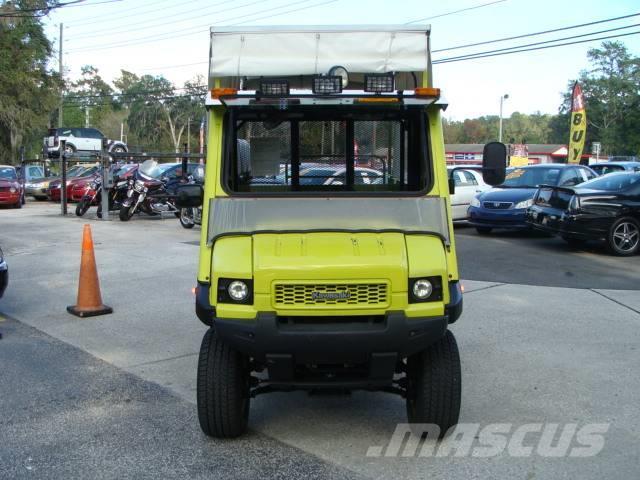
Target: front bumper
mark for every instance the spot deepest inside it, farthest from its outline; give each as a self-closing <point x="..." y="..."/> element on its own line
<point x="36" y="192"/>
<point x="509" y="218"/>
<point x="329" y="339"/>
<point x="8" y="198"/>
<point x="269" y="336"/>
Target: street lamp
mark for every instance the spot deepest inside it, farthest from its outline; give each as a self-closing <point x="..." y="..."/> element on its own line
<point x="502" y="99"/>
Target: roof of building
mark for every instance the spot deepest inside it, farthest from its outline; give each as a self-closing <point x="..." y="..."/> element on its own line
<point x="533" y="148"/>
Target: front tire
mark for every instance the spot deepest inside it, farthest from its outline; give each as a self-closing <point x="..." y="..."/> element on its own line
<point x="126" y="213"/>
<point x="82" y="207"/>
<point x="222" y="389"/>
<point x="186" y="218"/>
<point x="434" y="385"/>
<point x="624" y="237"/>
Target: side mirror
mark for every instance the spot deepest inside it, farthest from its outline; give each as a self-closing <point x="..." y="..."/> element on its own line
<point x="494" y="163"/>
<point x="189" y="195"/>
<point x="452" y="185"/>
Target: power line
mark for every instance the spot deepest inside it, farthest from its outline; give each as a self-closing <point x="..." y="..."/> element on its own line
<point x="199" y="28"/>
<point x="41" y="12"/>
<point x="102" y="18"/>
<point x="455" y="11"/>
<point x="547" y="41"/>
<point x="282" y="13"/>
<point x="481" y="55"/>
<point x="537" y="33"/>
<point x="174" y="19"/>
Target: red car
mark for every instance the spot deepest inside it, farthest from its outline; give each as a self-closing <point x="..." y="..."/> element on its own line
<point x="11" y="189"/>
<point x="76" y="175"/>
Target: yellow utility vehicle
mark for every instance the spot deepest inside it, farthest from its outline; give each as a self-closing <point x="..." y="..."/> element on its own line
<point x="327" y="256"/>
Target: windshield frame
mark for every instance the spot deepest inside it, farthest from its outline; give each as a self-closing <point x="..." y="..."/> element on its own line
<point x="228" y="153"/>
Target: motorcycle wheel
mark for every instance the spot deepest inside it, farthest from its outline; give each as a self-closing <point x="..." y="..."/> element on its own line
<point x="82" y="207"/>
<point x="186" y="218"/>
<point x="126" y="213"/>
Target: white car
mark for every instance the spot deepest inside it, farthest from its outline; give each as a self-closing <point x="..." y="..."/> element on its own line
<point x="469" y="183"/>
<point x="87" y="140"/>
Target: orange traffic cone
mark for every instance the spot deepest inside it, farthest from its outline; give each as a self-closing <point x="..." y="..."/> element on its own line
<point x="89" y="301"/>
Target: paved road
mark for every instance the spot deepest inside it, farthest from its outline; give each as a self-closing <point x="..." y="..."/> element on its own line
<point x="530" y="354"/>
<point x="536" y="259"/>
<point x="66" y="414"/>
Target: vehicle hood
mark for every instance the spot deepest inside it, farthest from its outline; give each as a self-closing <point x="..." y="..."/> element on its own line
<point x="514" y="195"/>
<point x="46" y="180"/>
<point x="9" y="183"/>
<point x="325" y="256"/>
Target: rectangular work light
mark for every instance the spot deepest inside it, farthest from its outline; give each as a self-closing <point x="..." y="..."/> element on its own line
<point x="274" y="88"/>
<point x="326" y="85"/>
<point x="379" y="82"/>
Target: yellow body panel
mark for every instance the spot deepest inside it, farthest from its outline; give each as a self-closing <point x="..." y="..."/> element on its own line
<point x="326" y="258"/>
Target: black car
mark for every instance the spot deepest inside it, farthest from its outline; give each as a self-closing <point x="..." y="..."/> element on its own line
<point x="4" y="274"/>
<point x="606" y="209"/>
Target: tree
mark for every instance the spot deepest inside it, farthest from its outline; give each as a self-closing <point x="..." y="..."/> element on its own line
<point x="611" y="89"/>
<point x="88" y="100"/>
<point x="156" y="109"/>
<point x="28" y="88"/>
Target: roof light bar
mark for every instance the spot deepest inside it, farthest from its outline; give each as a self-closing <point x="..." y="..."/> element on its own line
<point x="326" y="85"/>
<point x="427" y="92"/>
<point x="274" y="88"/>
<point x="379" y="82"/>
<point x="216" y="93"/>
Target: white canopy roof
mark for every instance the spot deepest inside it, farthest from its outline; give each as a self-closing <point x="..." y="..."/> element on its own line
<point x="308" y="50"/>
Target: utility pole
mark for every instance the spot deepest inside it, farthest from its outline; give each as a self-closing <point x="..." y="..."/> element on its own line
<point x="502" y="99"/>
<point x="86" y="116"/>
<point x="189" y="135"/>
<point x="61" y="79"/>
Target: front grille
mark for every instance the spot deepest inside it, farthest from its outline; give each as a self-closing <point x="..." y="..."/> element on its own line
<point x="497" y="205"/>
<point x="325" y="295"/>
<point x="4" y="189"/>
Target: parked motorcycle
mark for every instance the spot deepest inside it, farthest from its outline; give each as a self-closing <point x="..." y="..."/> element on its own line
<point x="93" y="196"/>
<point x="148" y="193"/>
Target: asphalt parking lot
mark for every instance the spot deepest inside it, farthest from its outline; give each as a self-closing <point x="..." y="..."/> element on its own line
<point x="549" y="335"/>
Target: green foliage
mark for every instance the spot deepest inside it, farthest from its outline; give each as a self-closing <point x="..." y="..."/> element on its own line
<point x="611" y="88"/>
<point x="519" y="128"/>
<point x="28" y="88"/>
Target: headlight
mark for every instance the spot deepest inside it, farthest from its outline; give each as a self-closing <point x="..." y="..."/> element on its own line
<point x="13" y="189"/>
<point x="475" y="202"/>
<point x="574" y="204"/>
<point x="139" y="186"/>
<point x="427" y="289"/>
<point x="422" y="289"/>
<point x="238" y="290"/>
<point x="524" y="203"/>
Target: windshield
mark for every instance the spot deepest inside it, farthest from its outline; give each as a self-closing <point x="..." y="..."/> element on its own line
<point x="604" y="169"/>
<point x="531" y="177"/>
<point x="150" y="168"/>
<point x="322" y="150"/>
<point x="613" y="182"/>
<point x="8" y="173"/>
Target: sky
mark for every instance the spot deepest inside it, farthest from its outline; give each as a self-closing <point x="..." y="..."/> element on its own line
<point x="170" y="38"/>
